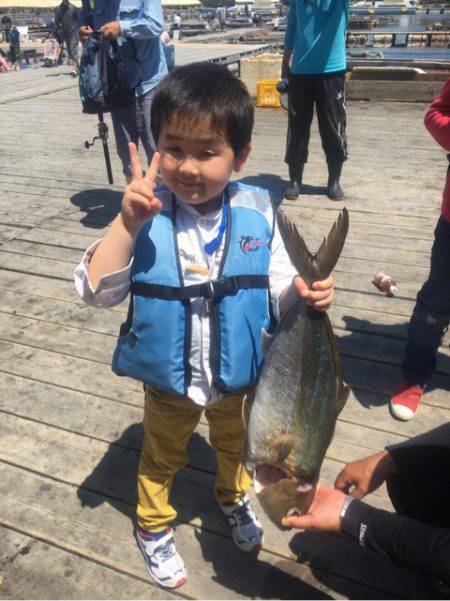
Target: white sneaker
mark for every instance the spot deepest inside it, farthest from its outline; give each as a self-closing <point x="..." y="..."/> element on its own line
<point x="163" y="560"/>
<point x="246" y="529"/>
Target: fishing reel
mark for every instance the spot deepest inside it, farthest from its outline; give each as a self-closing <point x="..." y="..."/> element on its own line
<point x="102" y="134"/>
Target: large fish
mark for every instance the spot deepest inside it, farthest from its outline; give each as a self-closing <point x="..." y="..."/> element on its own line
<point x="300" y="392"/>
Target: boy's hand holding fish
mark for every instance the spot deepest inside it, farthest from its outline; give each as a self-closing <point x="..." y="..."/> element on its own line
<point x="319" y="298"/>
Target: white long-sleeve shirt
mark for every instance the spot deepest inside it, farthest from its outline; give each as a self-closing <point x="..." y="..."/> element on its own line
<point x="193" y="232"/>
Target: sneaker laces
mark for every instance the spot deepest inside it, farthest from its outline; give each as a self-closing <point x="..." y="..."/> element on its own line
<point x="166" y="550"/>
<point x="242" y="514"/>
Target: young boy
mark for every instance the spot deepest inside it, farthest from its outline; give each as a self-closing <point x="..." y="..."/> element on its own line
<point x="13" y="37"/>
<point x="207" y="270"/>
<point x="431" y="314"/>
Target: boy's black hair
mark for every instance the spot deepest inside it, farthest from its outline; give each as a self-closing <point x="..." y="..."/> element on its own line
<point x="6" y="20"/>
<point x="200" y="90"/>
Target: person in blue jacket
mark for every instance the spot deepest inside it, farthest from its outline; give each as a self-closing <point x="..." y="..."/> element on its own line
<point x="314" y="63"/>
<point x="207" y="271"/>
<point x="137" y="25"/>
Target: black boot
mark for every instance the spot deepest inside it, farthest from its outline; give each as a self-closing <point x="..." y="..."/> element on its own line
<point x="295" y="175"/>
<point x="334" y="190"/>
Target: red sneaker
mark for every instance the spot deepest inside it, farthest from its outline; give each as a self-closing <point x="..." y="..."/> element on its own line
<point x="406" y="399"/>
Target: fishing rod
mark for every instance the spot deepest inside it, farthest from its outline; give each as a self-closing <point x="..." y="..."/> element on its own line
<point x="103" y="136"/>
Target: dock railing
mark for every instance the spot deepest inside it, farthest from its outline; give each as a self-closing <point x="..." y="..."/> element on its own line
<point x="398" y="39"/>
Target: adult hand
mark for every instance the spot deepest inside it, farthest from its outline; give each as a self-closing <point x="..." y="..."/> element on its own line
<point x="321" y="295"/>
<point x="111" y="31"/>
<point x="359" y="478"/>
<point x="84" y="32"/>
<point x="139" y="204"/>
<point x="324" y="513"/>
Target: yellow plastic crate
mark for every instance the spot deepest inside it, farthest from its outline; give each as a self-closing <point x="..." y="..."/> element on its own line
<point x="266" y="93"/>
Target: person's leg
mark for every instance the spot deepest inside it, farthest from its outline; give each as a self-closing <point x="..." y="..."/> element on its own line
<point x="125" y="131"/>
<point x="300" y="115"/>
<point x="168" y="424"/>
<point x="72" y="50"/>
<point x="331" y="115"/>
<point x="431" y="314"/>
<point x="419" y="497"/>
<point x="143" y="123"/>
<point x="227" y="435"/>
<point x="426" y="328"/>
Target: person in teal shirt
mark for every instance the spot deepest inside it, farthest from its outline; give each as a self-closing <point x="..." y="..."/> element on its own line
<point x="314" y="63"/>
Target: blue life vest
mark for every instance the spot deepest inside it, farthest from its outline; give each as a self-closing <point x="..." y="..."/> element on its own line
<point x="155" y="341"/>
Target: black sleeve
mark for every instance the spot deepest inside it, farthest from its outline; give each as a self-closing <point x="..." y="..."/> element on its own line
<point x="423" y="452"/>
<point x="404" y="541"/>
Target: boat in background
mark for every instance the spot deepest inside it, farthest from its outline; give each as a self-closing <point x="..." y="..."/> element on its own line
<point x="383" y="7"/>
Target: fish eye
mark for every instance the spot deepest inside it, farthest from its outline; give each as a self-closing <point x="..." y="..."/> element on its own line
<point x="293" y="511"/>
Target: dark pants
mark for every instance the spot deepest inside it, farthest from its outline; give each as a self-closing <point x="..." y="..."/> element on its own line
<point x="421" y="489"/>
<point x="422" y="497"/>
<point x="327" y="93"/>
<point x="14" y="54"/>
<point x="132" y="124"/>
<point x="71" y="41"/>
<point x="431" y="314"/>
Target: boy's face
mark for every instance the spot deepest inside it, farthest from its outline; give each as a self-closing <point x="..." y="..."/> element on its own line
<point x="197" y="163"/>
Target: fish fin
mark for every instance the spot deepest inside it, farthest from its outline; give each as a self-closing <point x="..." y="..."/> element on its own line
<point x="328" y="254"/>
<point x="266" y="339"/>
<point x="246" y="408"/>
<point x="296" y="247"/>
<point x="319" y="266"/>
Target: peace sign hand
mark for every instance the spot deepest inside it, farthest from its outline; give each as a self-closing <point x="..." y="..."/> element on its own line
<point x="139" y="204"/>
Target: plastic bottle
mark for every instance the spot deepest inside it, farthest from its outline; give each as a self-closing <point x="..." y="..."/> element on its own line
<point x="385" y="283"/>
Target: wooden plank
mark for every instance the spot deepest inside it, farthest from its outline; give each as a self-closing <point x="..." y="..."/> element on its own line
<point x="68" y="372"/>
<point x="102" y="418"/>
<point x="368" y="408"/>
<point x="383" y="350"/>
<point x="36" y="287"/>
<point x="31" y="241"/>
<point x="99" y="346"/>
<point x="225" y="579"/>
<point x="367" y="376"/>
<point x="8" y="232"/>
<point x="63" y="401"/>
<point x="43" y="570"/>
<point x="70" y="313"/>
<point x="30" y="257"/>
<point x="117" y="485"/>
<point x="119" y="492"/>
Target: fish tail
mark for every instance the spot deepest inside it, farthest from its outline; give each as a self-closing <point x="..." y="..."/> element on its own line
<point x="319" y="266"/>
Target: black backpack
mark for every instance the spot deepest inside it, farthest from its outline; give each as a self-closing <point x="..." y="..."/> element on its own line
<point x="103" y="87"/>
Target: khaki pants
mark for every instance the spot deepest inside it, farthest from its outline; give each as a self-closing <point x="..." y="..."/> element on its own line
<point x="169" y="422"/>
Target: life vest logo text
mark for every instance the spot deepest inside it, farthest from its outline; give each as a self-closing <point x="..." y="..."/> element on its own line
<point x="249" y="244"/>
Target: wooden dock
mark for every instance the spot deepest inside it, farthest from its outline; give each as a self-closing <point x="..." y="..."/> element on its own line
<point x="70" y="431"/>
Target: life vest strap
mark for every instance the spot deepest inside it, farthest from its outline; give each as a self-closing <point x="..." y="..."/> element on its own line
<point x="213" y="289"/>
